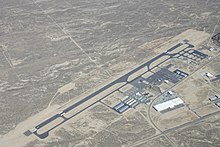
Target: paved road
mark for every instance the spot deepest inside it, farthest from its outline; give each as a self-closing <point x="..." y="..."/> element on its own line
<point x="124" y="78"/>
<point x="176" y="128"/>
<point x="150" y="106"/>
<point x="183" y="125"/>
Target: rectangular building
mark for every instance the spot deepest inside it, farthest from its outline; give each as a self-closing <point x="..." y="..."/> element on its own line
<point x="170" y="104"/>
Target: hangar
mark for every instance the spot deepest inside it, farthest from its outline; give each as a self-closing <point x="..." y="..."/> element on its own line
<point x="170" y="104"/>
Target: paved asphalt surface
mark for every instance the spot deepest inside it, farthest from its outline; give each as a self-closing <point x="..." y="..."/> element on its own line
<point x="124" y="78"/>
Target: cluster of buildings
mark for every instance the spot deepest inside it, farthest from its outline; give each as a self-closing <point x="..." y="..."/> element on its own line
<point x="141" y="93"/>
<point x="167" y="101"/>
<point x="215" y="99"/>
<point x="133" y="98"/>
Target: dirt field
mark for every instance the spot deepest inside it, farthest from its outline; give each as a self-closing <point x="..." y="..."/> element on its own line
<point x="159" y="141"/>
<point x="199" y="96"/>
<point x="174" y="118"/>
<point x="203" y="133"/>
<point x="100" y="124"/>
<point x="113" y="99"/>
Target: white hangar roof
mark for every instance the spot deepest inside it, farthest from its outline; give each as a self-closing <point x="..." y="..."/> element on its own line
<point x="168" y="104"/>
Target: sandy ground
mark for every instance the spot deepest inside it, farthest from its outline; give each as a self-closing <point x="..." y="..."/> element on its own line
<point x="94" y="99"/>
<point x="174" y="118"/>
<point x="113" y="99"/>
<point x="126" y="87"/>
<point x="205" y="110"/>
<point x="165" y="86"/>
<point x="160" y="60"/>
<point x="204" y="133"/>
<point x="147" y="74"/>
<point x="195" y="37"/>
<point x="200" y="94"/>
<point x="19" y="139"/>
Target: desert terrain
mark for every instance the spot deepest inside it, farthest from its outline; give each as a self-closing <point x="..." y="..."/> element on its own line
<point x="55" y="53"/>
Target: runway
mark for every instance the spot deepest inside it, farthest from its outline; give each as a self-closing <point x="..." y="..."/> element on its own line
<point x="123" y="78"/>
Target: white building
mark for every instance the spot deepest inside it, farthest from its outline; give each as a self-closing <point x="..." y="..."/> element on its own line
<point x="168" y="104"/>
<point x="209" y="75"/>
<point x="166" y="81"/>
<point x="170" y="92"/>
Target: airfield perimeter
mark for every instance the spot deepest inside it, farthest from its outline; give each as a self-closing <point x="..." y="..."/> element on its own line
<point x="66" y="92"/>
<point x="150" y="124"/>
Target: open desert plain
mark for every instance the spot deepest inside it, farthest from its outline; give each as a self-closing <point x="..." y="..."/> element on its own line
<point x="109" y="73"/>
